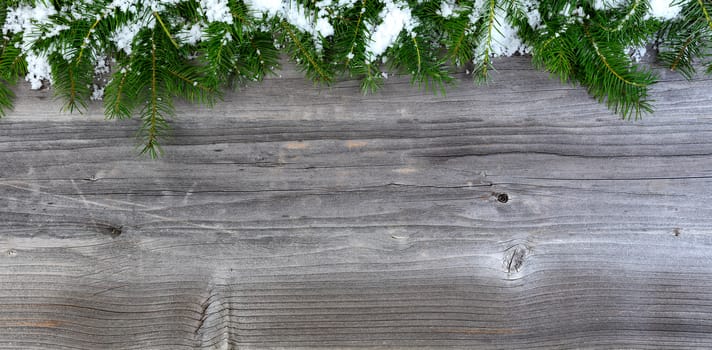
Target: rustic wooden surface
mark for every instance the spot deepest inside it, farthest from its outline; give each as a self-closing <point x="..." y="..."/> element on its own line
<point x="296" y="217"/>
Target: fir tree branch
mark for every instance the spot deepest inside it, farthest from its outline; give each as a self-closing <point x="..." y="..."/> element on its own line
<point x="6" y="97"/>
<point x="556" y="56"/>
<point x="610" y="76"/>
<point x="72" y="81"/>
<point x="239" y="16"/>
<point x="220" y="56"/>
<point x="484" y="64"/>
<point x="490" y="24"/>
<point x="190" y="84"/>
<point x="705" y="12"/>
<point x="320" y="73"/>
<point x="371" y="82"/>
<point x="417" y="54"/>
<point x="357" y="31"/>
<point x="12" y="65"/>
<point x="488" y="44"/>
<point x="428" y="71"/>
<point x="608" y="65"/>
<point x="267" y="56"/>
<point x="190" y="81"/>
<point x="680" y="54"/>
<point x="114" y="105"/>
<point x="458" y="51"/>
<point x="629" y="16"/>
<point x="87" y="37"/>
<point x="152" y="135"/>
<point x="149" y="81"/>
<point x="457" y="35"/>
<point x="165" y="29"/>
<point x="687" y="37"/>
<point x="12" y="61"/>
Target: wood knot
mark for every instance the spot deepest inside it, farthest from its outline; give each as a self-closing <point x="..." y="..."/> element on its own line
<point x="514" y="258"/>
<point x="502" y="197"/>
<point x="110" y="230"/>
<point x="115" y="231"/>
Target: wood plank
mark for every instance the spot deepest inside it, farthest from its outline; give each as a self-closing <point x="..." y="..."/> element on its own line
<point x="296" y="217"/>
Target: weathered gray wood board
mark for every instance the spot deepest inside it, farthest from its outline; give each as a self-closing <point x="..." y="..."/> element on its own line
<point x="296" y="217"/>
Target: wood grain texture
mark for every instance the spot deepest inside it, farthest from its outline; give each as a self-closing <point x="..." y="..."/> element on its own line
<point x="295" y="217"/>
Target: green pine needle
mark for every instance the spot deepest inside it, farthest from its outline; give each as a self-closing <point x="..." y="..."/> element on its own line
<point x="72" y="81"/>
<point x="687" y="38"/>
<point x="486" y="26"/>
<point x="623" y="86"/>
<point x="12" y="66"/>
<point x="6" y="97"/>
<point x="302" y="50"/>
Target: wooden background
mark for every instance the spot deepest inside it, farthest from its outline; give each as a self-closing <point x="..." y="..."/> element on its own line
<point x="296" y="217"/>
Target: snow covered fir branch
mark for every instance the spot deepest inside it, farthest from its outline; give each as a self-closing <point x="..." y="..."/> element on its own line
<point x="154" y="51"/>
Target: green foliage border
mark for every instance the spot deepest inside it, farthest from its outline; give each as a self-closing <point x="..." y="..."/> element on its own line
<point x="575" y="42"/>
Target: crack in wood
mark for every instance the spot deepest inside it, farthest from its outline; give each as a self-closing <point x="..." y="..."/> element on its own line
<point x="214" y="326"/>
<point x="203" y="314"/>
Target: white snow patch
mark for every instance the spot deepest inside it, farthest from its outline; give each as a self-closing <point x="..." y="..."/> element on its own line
<point x="270" y="7"/>
<point x="100" y="66"/>
<point x="38" y="69"/>
<point x="190" y="35"/>
<point x="505" y="41"/>
<point x="216" y="11"/>
<point x="295" y="15"/>
<point x="477" y="10"/>
<point x="637" y="53"/>
<point x="663" y="9"/>
<point x="97" y="93"/>
<point x="344" y="3"/>
<point x="533" y="15"/>
<point x="607" y="4"/>
<point x="128" y="6"/>
<point x="124" y="35"/>
<point x="446" y="8"/>
<point x="133" y="6"/>
<point x="395" y="20"/>
<point x="56" y="30"/>
<point x="317" y="25"/>
<point x="24" y="19"/>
